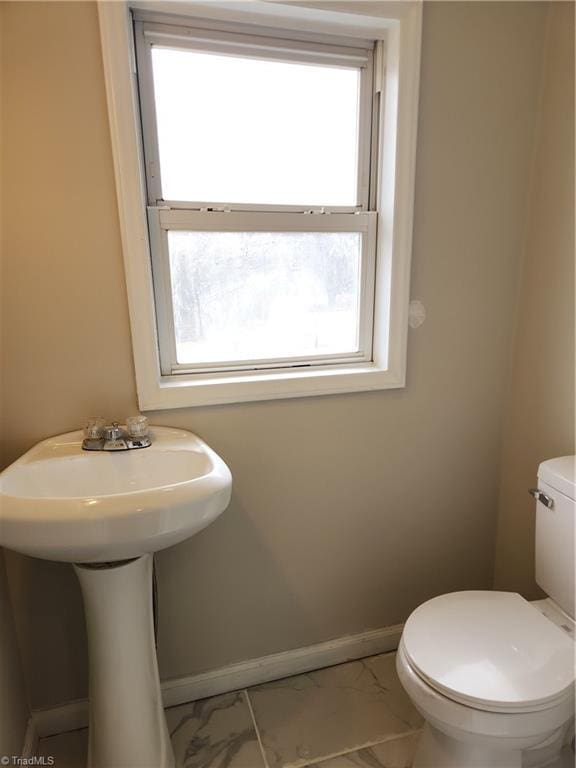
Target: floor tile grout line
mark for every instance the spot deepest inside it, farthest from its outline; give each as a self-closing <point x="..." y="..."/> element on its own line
<point x="253" y="716"/>
<point x="367" y="745"/>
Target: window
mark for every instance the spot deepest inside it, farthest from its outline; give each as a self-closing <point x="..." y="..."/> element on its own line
<point x="258" y="180"/>
<point x="266" y="264"/>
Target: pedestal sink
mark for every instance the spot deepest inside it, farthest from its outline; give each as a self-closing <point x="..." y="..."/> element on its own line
<point x="108" y="513"/>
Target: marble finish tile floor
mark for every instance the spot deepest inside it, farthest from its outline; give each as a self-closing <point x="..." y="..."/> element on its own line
<point x="215" y="733"/>
<point x="305" y="718"/>
<point x="354" y="715"/>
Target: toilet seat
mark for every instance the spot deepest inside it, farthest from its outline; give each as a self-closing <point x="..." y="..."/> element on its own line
<point x="490" y="651"/>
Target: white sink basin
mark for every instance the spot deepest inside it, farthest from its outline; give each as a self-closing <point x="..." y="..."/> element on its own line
<point x="59" y="502"/>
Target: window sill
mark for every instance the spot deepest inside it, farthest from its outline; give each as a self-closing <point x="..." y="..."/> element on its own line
<point x="181" y="391"/>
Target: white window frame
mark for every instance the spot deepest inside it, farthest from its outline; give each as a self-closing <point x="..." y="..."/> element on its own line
<point x="397" y="74"/>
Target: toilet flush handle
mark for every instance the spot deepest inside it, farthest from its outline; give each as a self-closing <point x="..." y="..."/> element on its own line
<point x="542" y="497"/>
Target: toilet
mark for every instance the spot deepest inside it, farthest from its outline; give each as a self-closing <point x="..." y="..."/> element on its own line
<point x="493" y="674"/>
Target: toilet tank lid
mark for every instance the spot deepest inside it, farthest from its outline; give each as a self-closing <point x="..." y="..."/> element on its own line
<point x="560" y="474"/>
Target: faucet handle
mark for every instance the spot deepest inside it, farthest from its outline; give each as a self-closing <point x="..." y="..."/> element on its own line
<point x="94" y="427"/>
<point x="137" y="426"/>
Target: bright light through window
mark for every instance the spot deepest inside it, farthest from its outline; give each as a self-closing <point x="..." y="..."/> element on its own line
<point x="245" y="130"/>
<point x="241" y="296"/>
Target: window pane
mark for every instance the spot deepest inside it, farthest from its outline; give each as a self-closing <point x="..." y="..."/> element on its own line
<point x="242" y="130"/>
<point x="241" y="296"/>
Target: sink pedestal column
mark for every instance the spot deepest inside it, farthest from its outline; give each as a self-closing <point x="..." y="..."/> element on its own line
<point x="127" y="724"/>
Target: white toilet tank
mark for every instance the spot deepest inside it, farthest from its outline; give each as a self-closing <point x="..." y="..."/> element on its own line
<point x="555" y="531"/>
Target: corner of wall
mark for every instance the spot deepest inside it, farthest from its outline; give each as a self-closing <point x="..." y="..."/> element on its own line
<point x="538" y="421"/>
<point x="13" y="701"/>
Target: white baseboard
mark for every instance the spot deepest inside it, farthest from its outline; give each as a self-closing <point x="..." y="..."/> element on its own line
<point x="66" y="717"/>
<point x="244" y="674"/>
<point x="30" y="745"/>
<point x="255" y="671"/>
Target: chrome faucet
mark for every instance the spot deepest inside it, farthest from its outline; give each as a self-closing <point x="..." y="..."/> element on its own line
<point x="114" y="437"/>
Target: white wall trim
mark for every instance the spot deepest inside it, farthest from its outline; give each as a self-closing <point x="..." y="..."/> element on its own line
<point x="30" y="744"/>
<point x="74" y="715"/>
<point x="399" y="108"/>
<point x="285" y="15"/>
<point x="248" y="673"/>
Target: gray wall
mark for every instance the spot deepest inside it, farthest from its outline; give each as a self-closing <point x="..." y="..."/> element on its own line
<point x="347" y="510"/>
<point x="13" y="703"/>
<point x="540" y="405"/>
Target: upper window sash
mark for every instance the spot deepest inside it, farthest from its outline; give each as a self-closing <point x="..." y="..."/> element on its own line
<point x="186" y="35"/>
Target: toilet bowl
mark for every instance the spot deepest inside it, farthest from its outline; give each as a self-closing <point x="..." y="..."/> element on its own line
<point x="491" y="673"/>
<point x="484" y="708"/>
